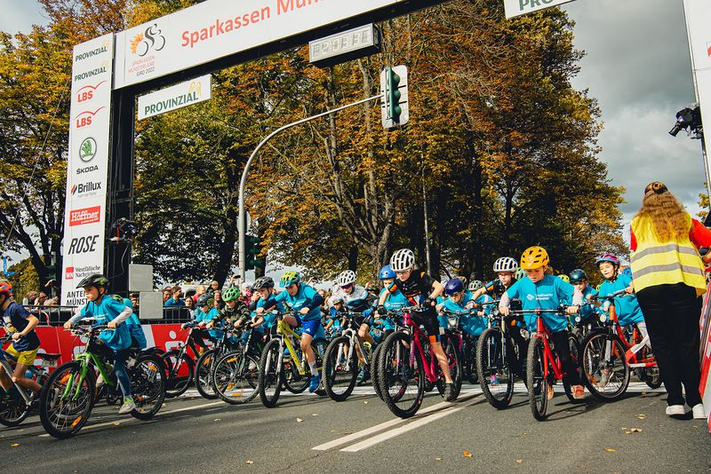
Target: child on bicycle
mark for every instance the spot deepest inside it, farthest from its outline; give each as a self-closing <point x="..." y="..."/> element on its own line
<point x="306" y="301"/>
<point x="25" y="343"/>
<point x="579" y="280"/>
<point x="117" y="341"/>
<point x="138" y="337"/>
<point x="459" y="299"/>
<point x="235" y="311"/>
<point x="421" y="289"/>
<point x="203" y="315"/>
<point x="394" y="300"/>
<point x="505" y="269"/>
<point x="541" y="291"/>
<point x="261" y="320"/>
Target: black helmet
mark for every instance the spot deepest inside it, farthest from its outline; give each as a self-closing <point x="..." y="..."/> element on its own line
<point x="578" y="275"/>
<point x="263" y="282"/>
<point x="205" y="300"/>
<point x="98" y="280"/>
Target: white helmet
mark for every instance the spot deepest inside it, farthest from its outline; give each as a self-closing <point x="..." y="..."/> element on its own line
<point x="475" y="285"/>
<point x="347" y="277"/>
<point x="402" y="260"/>
<point x="505" y="264"/>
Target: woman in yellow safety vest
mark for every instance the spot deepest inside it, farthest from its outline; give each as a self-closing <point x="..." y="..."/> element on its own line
<point x="669" y="280"/>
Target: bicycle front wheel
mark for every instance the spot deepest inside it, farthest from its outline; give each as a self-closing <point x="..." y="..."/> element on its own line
<point x="340" y="368"/>
<point x="66" y="400"/>
<point x="605" y="370"/>
<point x="402" y="381"/>
<point x="203" y="374"/>
<point x="375" y="369"/>
<point x="236" y="377"/>
<point x="537" y="382"/>
<point x="270" y="374"/>
<point x="455" y="367"/>
<point x="179" y="373"/>
<point x="147" y="386"/>
<point x="495" y="376"/>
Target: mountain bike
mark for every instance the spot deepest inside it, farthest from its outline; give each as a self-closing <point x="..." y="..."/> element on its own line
<point x="180" y="366"/>
<point x="341" y="360"/>
<point x="68" y="396"/>
<point x="395" y="317"/>
<point x="204" y="367"/>
<point x="284" y="364"/>
<point x="468" y="347"/>
<point x="16" y="407"/>
<point x="407" y="361"/>
<point x="235" y="374"/>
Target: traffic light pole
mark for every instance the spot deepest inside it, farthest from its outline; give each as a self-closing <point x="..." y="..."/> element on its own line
<point x="243" y="181"/>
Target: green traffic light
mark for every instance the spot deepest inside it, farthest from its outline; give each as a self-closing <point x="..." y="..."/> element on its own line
<point x="394" y="95"/>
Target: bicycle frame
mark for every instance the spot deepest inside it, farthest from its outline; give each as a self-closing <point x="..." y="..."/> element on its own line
<point x="352" y="334"/>
<point x="416" y="336"/>
<point x="283" y="330"/>
<point x="8" y="370"/>
<point x="549" y="359"/>
<point x="630" y="350"/>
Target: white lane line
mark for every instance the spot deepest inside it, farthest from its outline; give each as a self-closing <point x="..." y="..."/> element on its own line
<point x="409" y="427"/>
<point x="133" y="420"/>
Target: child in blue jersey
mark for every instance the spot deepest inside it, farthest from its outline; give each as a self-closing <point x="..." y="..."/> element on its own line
<point x="138" y="337"/>
<point x="106" y="310"/>
<point x="505" y="269"/>
<point x="262" y="320"/>
<point x="541" y="291"/>
<point x="393" y="300"/>
<point x="204" y="316"/>
<point x="585" y="292"/>
<point x="303" y="299"/>
<point x="459" y="300"/>
<point x="627" y="307"/>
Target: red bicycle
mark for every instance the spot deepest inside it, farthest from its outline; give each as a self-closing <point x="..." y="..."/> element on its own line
<point x="407" y="361"/>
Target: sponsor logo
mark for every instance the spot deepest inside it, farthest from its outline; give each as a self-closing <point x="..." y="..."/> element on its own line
<point x="103" y="49"/>
<point x="101" y="70"/>
<point x="529" y="297"/>
<point x="150" y="39"/>
<point x="88" y="169"/>
<point x="87" y="150"/>
<point x="81" y="272"/>
<point x="708" y="50"/>
<point x="90" y="187"/>
<point x="86" y="118"/>
<point x="69" y="273"/>
<point x="86" y="93"/>
<point x="80" y="245"/>
<point x="88" y="215"/>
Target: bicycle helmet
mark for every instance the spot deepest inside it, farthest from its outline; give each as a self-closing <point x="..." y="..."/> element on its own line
<point x="289" y="278"/>
<point x="263" y="282"/>
<point x="455" y="285"/>
<point x="578" y="275"/>
<point x="564" y="277"/>
<point x="231" y="294"/>
<point x="520" y="273"/>
<point x="505" y="264"/>
<point x="475" y="285"/>
<point x="346" y="278"/>
<point x="205" y="300"/>
<point x="386" y="273"/>
<point x="98" y="280"/>
<point x="402" y="260"/>
<point x="607" y="257"/>
<point x="6" y="287"/>
<point x="534" y="257"/>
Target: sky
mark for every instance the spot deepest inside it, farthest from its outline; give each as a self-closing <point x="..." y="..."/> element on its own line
<point x="638" y="68"/>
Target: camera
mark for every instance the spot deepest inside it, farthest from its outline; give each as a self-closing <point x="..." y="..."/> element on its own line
<point x="688" y="119"/>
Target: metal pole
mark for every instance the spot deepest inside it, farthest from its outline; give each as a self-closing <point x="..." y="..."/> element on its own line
<point x="427" y="227"/>
<point x="243" y="181"/>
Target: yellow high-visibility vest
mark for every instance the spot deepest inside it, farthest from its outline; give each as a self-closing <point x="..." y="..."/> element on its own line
<point x="659" y="263"/>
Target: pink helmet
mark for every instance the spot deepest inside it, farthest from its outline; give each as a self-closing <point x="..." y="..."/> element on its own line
<point x="6" y="287"/>
<point x="607" y="257"/>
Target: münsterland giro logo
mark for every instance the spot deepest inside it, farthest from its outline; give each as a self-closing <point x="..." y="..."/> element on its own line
<point x="87" y="150"/>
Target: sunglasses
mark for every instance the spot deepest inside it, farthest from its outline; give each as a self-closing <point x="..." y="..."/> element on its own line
<point x="345" y="287"/>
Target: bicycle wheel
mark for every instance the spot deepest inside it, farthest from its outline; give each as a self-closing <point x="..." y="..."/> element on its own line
<point x="455" y="367"/>
<point x="605" y="370"/>
<point x="402" y="384"/>
<point x="203" y="374"/>
<point x="147" y="386"/>
<point x="66" y="400"/>
<point x="574" y="347"/>
<point x="179" y="373"/>
<point x="235" y="377"/>
<point x="270" y="376"/>
<point x="469" y="365"/>
<point x="648" y="375"/>
<point x="13" y="410"/>
<point x="375" y="369"/>
<point x="537" y="382"/>
<point x="339" y="370"/>
<point x="495" y="376"/>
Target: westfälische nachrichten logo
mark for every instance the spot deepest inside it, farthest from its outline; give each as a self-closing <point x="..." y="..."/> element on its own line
<point x="151" y="38"/>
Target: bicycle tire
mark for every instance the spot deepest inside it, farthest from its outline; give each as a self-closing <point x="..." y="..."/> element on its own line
<point x="147" y="386"/>
<point x="648" y="375"/>
<point x="391" y="373"/>
<point x="13" y="412"/>
<point x="537" y="383"/>
<point x="178" y="378"/>
<point x="375" y="369"/>
<point x="235" y="377"/>
<point x="455" y="367"/>
<point x="332" y="371"/>
<point x="51" y="394"/>
<point x="469" y="365"/>
<point x="574" y="346"/>
<point x="599" y="375"/>
<point x="495" y="376"/>
<point x="203" y="374"/>
<point x="269" y="379"/>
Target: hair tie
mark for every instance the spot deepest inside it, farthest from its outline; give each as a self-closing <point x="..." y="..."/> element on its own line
<point x="656" y="187"/>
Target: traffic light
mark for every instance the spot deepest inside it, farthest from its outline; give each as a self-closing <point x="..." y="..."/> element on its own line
<point x="254" y="248"/>
<point x="394" y="87"/>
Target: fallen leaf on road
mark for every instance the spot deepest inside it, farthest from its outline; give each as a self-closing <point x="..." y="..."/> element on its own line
<point x="249" y="461"/>
<point x="217" y="419"/>
<point x="628" y="432"/>
<point x="314" y="414"/>
<point x="14" y="445"/>
<point x="333" y="431"/>
<point x="641" y="416"/>
<point x="623" y="428"/>
<point x="519" y="461"/>
<point x="610" y="450"/>
<point x="636" y="430"/>
<point x="438" y="459"/>
<point x="116" y="423"/>
<point x="365" y="402"/>
<point x="468" y="454"/>
<point x="299" y="420"/>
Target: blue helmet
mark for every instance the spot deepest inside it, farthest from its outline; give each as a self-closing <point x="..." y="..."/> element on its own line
<point x="386" y="273"/>
<point x="455" y="285"/>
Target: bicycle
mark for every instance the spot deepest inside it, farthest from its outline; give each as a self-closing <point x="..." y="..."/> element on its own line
<point x="468" y="344"/>
<point x="180" y="367"/>
<point x="394" y="316"/>
<point x="68" y="396"/>
<point x="204" y="367"/>
<point x="16" y="409"/>
<point x="235" y="375"/>
<point x="407" y="361"/>
<point x="290" y="369"/>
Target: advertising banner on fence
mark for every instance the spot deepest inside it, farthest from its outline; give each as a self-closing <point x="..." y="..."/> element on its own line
<point x="521" y="7"/>
<point x="175" y="97"/>
<point x="219" y="28"/>
<point x="87" y="165"/>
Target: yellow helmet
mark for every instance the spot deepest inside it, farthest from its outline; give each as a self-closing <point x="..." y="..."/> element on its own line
<point x="534" y="257"/>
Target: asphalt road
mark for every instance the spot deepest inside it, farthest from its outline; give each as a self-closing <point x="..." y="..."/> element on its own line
<point x="360" y="435"/>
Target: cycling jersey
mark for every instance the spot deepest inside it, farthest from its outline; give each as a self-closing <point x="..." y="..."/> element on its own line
<point x="627" y="307"/>
<point x="239" y="313"/>
<point x="134" y="327"/>
<point x="269" y="317"/>
<point x="357" y="300"/>
<point x="210" y="316"/>
<point x="17" y="315"/>
<point x="416" y="288"/>
<point x="588" y="311"/>
<point x="306" y="297"/>
<point x="104" y="311"/>
<point x="394" y="300"/>
<point x="548" y="293"/>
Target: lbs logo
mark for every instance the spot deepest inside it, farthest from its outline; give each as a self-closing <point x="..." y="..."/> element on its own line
<point x="151" y="38"/>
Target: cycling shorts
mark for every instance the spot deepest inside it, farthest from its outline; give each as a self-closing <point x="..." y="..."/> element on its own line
<point x="312" y="327"/>
<point x="23" y="357"/>
<point x="429" y="320"/>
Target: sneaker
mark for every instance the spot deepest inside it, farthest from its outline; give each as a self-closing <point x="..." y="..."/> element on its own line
<point x="128" y="406"/>
<point x="676" y="411"/>
<point x="314" y="383"/>
<point x="699" y="412"/>
<point x="449" y="394"/>
<point x="578" y="392"/>
<point x="363" y="375"/>
<point x="605" y="379"/>
<point x="100" y="381"/>
<point x="549" y="391"/>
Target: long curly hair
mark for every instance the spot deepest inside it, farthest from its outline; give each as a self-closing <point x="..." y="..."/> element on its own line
<point x="663" y="213"/>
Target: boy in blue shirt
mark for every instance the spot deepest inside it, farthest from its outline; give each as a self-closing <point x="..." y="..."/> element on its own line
<point x="579" y="280"/>
<point x="460" y="300"/>
<point x="541" y="291"/>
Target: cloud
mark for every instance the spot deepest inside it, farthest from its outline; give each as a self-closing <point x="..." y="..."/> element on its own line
<point x="21" y="15"/>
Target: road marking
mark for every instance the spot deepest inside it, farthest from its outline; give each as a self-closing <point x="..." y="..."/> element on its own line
<point x="387" y="435"/>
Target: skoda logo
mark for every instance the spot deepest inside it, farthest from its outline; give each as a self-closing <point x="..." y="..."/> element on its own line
<point x="87" y="150"/>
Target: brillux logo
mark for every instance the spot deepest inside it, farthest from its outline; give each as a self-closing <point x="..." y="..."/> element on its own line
<point x="87" y="150"/>
<point x="89" y="187"/>
<point x="151" y="38"/>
